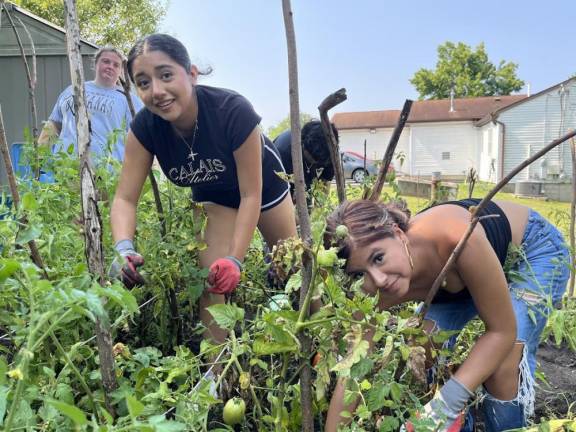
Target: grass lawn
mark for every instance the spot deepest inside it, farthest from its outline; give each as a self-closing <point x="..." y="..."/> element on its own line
<point x="556" y="212"/>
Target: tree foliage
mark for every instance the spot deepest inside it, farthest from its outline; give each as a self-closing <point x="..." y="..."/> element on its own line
<point x="274" y="131"/>
<point x="469" y="72"/>
<point x="105" y="22"/>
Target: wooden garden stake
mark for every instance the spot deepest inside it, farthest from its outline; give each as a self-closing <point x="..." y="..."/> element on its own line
<point x="305" y="231"/>
<point x="34" y="253"/>
<point x="475" y="219"/>
<point x="572" y="216"/>
<point x="328" y="103"/>
<point x="31" y="79"/>
<point x="175" y="321"/>
<point x="90" y="212"/>
<point x="389" y="154"/>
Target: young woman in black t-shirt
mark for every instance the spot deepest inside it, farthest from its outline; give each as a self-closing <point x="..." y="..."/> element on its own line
<point x="208" y="139"/>
<point x="399" y="257"/>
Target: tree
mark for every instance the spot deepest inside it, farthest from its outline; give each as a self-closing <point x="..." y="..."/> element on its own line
<point x="105" y="22"/>
<point x="468" y="72"/>
<point x="274" y="131"/>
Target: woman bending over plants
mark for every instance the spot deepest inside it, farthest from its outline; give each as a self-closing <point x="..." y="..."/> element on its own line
<point x="208" y="139"/>
<point x="400" y="257"/>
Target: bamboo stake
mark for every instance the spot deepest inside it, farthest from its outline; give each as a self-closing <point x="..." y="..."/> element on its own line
<point x="31" y="79"/>
<point x="389" y="154"/>
<point x="34" y="253"/>
<point x="90" y="211"/>
<point x="328" y="103"/>
<point x="305" y="231"/>
<point x="175" y="321"/>
<point x="572" y="216"/>
<point x="475" y="219"/>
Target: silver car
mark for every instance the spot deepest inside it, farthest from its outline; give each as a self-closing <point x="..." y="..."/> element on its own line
<point x="356" y="167"/>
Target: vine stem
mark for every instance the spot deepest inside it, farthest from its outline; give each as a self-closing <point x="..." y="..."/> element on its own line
<point x="234" y="358"/>
<point x="76" y="372"/>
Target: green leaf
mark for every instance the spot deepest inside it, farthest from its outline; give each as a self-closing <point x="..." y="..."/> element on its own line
<point x="135" y="407"/>
<point x="359" y="352"/>
<point x="64" y="393"/>
<point x="72" y="412"/>
<point x="29" y="201"/>
<point x="376" y="396"/>
<point x="3" y="370"/>
<point x="225" y="315"/>
<point x="31" y="232"/>
<point x="3" y="399"/>
<point x="260" y="363"/>
<point x="141" y="376"/>
<point x="162" y="425"/>
<point x="262" y="346"/>
<point x="362" y="368"/>
<point x="9" y="267"/>
<point x="294" y="283"/>
<point x="396" y="391"/>
<point x="94" y="304"/>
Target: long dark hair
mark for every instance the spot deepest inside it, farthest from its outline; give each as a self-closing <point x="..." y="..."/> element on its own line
<point x="366" y="222"/>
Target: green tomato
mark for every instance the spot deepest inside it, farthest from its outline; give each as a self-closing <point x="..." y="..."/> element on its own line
<point x="327" y="258"/>
<point x="341" y="231"/>
<point x="234" y="411"/>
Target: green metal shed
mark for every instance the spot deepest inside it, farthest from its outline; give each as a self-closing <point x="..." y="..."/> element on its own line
<point x="53" y="72"/>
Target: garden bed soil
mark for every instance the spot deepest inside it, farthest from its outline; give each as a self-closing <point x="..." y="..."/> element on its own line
<point x="556" y="396"/>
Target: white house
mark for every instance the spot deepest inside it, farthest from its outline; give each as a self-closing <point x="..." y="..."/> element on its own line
<point x="513" y="133"/>
<point x="440" y="135"/>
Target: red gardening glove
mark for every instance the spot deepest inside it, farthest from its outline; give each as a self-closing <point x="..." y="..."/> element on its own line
<point x="224" y="275"/>
<point x="130" y="275"/>
<point x="125" y="265"/>
<point x="456" y="425"/>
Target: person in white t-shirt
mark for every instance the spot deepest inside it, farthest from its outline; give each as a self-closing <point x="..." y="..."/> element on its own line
<point x="107" y="107"/>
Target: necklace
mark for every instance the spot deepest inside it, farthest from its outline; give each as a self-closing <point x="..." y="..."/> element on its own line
<point x="192" y="154"/>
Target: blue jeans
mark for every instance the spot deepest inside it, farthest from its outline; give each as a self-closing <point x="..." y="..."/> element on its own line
<point x="537" y="282"/>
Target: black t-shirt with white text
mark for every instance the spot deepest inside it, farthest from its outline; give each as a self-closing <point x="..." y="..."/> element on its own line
<point x="225" y="120"/>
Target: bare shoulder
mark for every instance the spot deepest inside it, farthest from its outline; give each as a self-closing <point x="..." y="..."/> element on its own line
<point x="517" y="216"/>
<point x="446" y="224"/>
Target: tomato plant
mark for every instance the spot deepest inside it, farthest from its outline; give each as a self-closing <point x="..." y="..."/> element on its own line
<point x="169" y="379"/>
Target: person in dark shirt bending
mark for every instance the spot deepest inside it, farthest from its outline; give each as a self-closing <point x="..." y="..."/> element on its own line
<point x="207" y="139"/>
<point x="315" y="153"/>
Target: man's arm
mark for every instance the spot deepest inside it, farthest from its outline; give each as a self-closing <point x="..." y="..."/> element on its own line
<point x="50" y="132"/>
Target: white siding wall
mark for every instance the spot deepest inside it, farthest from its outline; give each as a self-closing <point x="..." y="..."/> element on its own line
<point x="488" y="152"/>
<point x="535" y="123"/>
<point x="457" y="140"/>
<point x="376" y="143"/>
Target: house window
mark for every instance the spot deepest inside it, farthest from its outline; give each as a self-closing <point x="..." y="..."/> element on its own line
<point x="445" y="155"/>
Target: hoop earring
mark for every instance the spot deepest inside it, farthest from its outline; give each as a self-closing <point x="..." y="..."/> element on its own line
<point x="408" y="254"/>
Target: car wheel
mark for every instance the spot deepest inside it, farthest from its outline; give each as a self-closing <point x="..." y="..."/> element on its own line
<point x="359" y="175"/>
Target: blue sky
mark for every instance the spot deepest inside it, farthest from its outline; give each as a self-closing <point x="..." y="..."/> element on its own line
<point x="370" y="47"/>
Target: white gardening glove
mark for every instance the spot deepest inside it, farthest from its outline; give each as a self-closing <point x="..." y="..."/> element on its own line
<point x="445" y="412"/>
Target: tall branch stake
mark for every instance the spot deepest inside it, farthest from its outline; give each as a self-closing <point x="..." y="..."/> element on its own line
<point x="475" y="219"/>
<point x="31" y="79"/>
<point x="572" y="216"/>
<point x="305" y="232"/>
<point x="328" y="103"/>
<point x="90" y="211"/>
<point x="34" y="253"/>
<point x="389" y="154"/>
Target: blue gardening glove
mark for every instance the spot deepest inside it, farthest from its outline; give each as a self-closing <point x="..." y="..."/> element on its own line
<point x="444" y="413"/>
<point x="124" y="267"/>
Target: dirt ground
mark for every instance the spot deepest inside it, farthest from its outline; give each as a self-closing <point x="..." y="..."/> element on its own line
<point x="554" y="397"/>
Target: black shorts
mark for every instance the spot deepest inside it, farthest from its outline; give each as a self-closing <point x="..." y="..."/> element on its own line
<point x="274" y="188"/>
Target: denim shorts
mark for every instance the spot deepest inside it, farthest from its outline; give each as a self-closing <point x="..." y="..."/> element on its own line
<point x="537" y="280"/>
